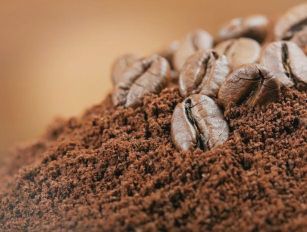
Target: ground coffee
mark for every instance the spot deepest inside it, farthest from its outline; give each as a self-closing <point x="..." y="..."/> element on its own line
<point x="116" y="169"/>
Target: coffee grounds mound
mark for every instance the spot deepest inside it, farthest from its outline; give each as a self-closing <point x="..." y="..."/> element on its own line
<point x="117" y="170"/>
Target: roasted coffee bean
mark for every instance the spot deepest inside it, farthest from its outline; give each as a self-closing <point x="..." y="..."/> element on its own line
<point x="251" y="84"/>
<point x="198" y="122"/>
<point x="287" y="62"/>
<point x="203" y="73"/>
<point x="169" y="51"/>
<point x="300" y="38"/>
<point x="239" y="51"/>
<point x="255" y="27"/>
<point x="198" y="40"/>
<point x="144" y="76"/>
<point x="293" y="25"/>
<point x="293" y="21"/>
<point x="120" y="65"/>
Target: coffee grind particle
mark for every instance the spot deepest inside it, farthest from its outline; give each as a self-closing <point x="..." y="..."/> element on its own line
<point x="116" y="169"/>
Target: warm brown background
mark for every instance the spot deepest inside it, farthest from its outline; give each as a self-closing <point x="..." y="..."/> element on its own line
<point x="55" y="55"/>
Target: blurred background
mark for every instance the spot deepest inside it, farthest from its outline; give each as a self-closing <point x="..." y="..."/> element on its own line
<point x="55" y="55"/>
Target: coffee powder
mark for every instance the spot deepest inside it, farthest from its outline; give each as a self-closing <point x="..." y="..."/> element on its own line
<point x="116" y="169"/>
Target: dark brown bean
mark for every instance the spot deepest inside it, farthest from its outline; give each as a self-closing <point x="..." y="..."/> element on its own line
<point x="251" y="84"/>
<point x="293" y="25"/>
<point x="254" y="26"/>
<point x="198" y="122"/>
<point x="120" y="65"/>
<point x="198" y="40"/>
<point x="287" y="62"/>
<point x="239" y="51"/>
<point x="203" y="73"/>
<point x="143" y="77"/>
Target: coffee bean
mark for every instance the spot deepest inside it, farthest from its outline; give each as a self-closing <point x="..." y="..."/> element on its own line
<point x="251" y="84"/>
<point x="168" y="54"/>
<point x="198" y="122"/>
<point x="239" y="51"/>
<point x="120" y="65"/>
<point x="287" y="62"/>
<point x="144" y="76"/>
<point x="292" y="25"/>
<point x="203" y="73"/>
<point x="300" y="38"/>
<point x="169" y="51"/>
<point x="255" y="27"/>
<point x="294" y="20"/>
<point x="198" y="40"/>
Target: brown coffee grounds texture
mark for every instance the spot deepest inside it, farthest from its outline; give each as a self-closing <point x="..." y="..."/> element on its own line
<point x="117" y="170"/>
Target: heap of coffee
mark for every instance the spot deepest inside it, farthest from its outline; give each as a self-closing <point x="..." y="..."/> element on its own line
<point x="206" y="135"/>
<point x="233" y="72"/>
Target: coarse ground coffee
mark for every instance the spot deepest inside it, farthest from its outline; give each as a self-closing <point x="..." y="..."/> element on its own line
<point x="116" y="169"/>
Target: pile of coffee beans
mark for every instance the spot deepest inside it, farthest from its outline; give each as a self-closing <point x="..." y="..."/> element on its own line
<point x="244" y="64"/>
